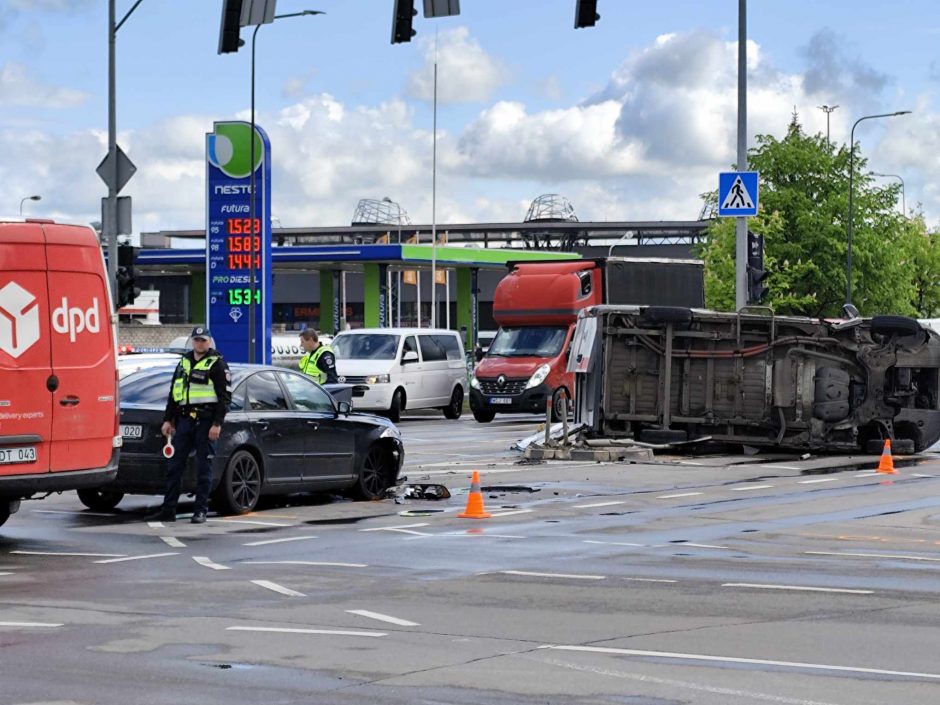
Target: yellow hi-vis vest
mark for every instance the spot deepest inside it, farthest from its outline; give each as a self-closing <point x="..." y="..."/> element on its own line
<point x="308" y="363"/>
<point x="187" y="393"/>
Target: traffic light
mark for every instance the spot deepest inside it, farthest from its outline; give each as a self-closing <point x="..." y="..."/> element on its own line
<point x="585" y="13"/>
<point x="756" y="274"/>
<point x="229" y="39"/>
<point x="402" y="19"/>
<point x="127" y="290"/>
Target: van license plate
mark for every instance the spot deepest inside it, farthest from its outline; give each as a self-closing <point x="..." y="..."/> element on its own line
<point x="22" y="454"/>
<point x="500" y="400"/>
<point x="132" y="430"/>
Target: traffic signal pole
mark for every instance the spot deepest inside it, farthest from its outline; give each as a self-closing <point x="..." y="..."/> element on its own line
<point x="740" y="239"/>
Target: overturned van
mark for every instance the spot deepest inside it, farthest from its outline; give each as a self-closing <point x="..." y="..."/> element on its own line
<point x="669" y="375"/>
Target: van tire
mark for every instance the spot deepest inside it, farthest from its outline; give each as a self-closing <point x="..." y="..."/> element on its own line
<point x="241" y="483"/>
<point x="899" y="325"/>
<point x="484" y="416"/>
<point x="99" y="499"/>
<point x="398" y="403"/>
<point x="559" y="404"/>
<point x="454" y="409"/>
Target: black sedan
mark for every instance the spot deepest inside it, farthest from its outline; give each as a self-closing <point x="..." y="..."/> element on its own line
<point x="283" y="434"/>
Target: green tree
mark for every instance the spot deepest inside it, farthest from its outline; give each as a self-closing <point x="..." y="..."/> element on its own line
<point x="803" y="213"/>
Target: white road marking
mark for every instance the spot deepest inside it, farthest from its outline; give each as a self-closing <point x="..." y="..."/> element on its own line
<point x="67" y="553"/>
<point x="287" y="630"/>
<point x="173" y="542"/>
<point x="867" y="474"/>
<point x="409" y="531"/>
<point x="5" y="573"/>
<point x="396" y="528"/>
<point x="798" y="587"/>
<point x="689" y="462"/>
<point x="74" y="511"/>
<point x="155" y="524"/>
<point x="497" y="513"/>
<point x="651" y="580"/>
<point x="918" y="474"/>
<point x="782" y="467"/>
<point x="598" y="504"/>
<point x="322" y="563"/>
<point x="732" y="659"/>
<point x="748" y="488"/>
<point x="278" y="588"/>
<point x="248" y="521"/>
<point x="680" y="494"/>
<point x="30" y="624"/>
<point x="384" y="618"/>
<point x="553" y="575"/>
<point x="268" y="541"/>
<point x="469" y="533"/>
<point x="821" y="479"/>
<point x="204" y="560"/>
<point x="698" y="545"/>
<point x="617" y="543"/>
<point x="872" y="555"/>
<point x="137" y="558"/>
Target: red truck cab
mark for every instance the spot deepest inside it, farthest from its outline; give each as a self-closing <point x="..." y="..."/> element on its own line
<point x="58" y="375"/>
<point x="536" y="306"/>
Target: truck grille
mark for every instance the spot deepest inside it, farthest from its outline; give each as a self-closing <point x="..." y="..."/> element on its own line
<point x="509" y="387"/>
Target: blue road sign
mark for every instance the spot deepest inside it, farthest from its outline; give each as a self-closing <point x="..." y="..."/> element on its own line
<point x="236" y="246"/>
<point x="737" y="193"/>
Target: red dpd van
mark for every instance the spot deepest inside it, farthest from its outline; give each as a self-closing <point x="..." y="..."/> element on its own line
<point x="58" y="375"/>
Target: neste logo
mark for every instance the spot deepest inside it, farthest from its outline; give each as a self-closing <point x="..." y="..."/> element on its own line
<point x="19" y="320"/>
<point x="74" y="320"/>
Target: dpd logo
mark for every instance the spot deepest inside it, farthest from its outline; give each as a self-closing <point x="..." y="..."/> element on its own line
<point x="19" y="320"/>
<point x="74" y="320"/>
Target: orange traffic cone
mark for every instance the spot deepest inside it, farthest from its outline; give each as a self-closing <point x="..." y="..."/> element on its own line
<point x="886" y="464"/>
<point x="475" y="508"/>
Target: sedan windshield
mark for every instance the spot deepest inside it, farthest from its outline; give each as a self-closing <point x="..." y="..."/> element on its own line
<point x="368" y="346"/>
<point x="528" y="341"/>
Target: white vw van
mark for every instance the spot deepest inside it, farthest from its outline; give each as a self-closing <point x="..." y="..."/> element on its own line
<point x="405" y="368"/>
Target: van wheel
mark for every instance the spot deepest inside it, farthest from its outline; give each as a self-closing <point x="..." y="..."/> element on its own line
<point x="895" y="325"/>
<point x="455" y="408"/>
<point x="484" y="416"/>
<point x="240" y="488"/>
<point x="373" y="476"/>
<point x="559" y="404"/>
<point x="100" y="500"/>
<point x="398" y="403"/>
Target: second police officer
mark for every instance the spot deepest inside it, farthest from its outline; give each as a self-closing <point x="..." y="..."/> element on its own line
<point x="319" y="362"/>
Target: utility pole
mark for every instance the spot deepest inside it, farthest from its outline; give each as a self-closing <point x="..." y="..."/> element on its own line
<point x="827" y="109"/>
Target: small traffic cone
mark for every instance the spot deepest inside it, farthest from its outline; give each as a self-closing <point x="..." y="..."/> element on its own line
<point x="886" y="464"/>
<point x="475" y="508"/>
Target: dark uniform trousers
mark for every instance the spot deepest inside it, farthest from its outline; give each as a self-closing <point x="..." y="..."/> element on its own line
<point x="190" y="433"/>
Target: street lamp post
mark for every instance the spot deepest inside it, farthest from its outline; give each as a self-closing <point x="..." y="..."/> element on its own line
<point x="848" y="251"/>
<point x="28" y="198"/>
<point x="828" y="110"/>
<point x="252" y="333"/>
<point x="895" y="176"/>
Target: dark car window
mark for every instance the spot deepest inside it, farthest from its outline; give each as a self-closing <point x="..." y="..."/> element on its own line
<point x="306" y="395"/>
<point x="265" y="393"/>
<point x="410" y="345"/>
<point x="238" y="398"/>
<point x="450" y="345"/>
<point x="149" y="386"/>
<point x="431" y="349"/>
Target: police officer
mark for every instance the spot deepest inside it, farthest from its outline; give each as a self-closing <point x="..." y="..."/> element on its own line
<point x="320" y="360"/>
<point x="199" y="397"/>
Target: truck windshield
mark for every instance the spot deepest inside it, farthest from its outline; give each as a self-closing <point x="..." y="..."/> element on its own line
<point x="366" y="346"/>
<point x="528" y="341"/>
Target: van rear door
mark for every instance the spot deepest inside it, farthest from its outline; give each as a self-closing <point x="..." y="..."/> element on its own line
<point x="84" y="422"/>
<point x="25" y="402"/>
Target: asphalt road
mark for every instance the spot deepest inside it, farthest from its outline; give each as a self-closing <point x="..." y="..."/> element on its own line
<point x="714" y="580"/>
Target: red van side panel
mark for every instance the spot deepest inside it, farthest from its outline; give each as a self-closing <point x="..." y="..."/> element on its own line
<point x="25" y="402"/>
<point x="83" y="350"/>
<point x="545" y="293"/>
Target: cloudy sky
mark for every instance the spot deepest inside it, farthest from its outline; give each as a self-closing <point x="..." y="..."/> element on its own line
<point x="631" y="119"/>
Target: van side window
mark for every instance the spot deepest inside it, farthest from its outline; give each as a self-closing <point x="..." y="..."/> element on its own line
<point x="410" y="345"/>
<point x="450" y="346"/>
<point x="265" y="393"/>
<point x="431" y="350"/>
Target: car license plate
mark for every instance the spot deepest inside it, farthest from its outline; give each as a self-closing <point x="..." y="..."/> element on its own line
<point x="132" y="430"/>
<point x="22" y="454"/>
<point x="500" y="400"/>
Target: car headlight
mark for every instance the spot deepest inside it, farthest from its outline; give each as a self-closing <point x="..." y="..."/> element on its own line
<point x="474" y="382"/>
<point x="391" y="432"/>
<point x="538" y="377"/>
<point x="378" y="379"/>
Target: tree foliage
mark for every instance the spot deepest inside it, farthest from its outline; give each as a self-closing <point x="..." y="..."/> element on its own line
<point x="804" y="187"/>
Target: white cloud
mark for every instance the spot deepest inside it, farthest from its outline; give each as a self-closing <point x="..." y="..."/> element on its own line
<point x="465" y="72"/>
<point x="19" y="88"/>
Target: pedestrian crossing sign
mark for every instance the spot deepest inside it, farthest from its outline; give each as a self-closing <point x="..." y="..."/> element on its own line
<point x="737" y="193"/>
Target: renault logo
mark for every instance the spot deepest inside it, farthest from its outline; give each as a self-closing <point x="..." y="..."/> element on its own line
<point x="501" y="381"/>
